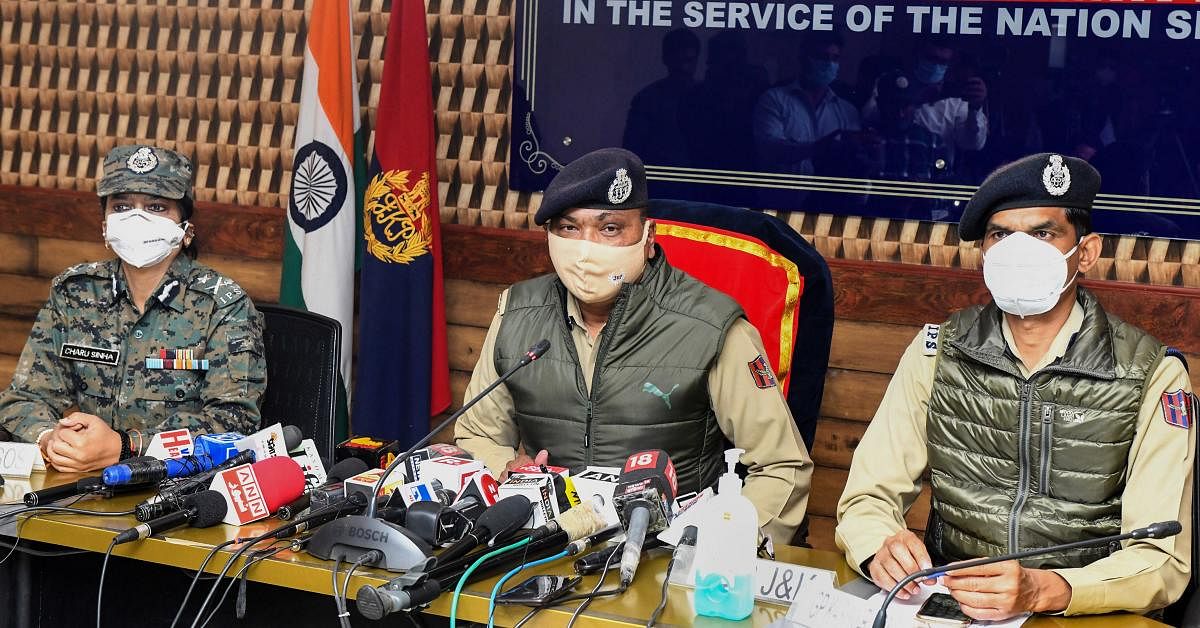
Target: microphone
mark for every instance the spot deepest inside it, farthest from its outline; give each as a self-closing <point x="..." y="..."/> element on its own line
<point x="83" y="486"/>
<point x="347" y="468"/>
<point x="1160" y="530"/>
<point x="154" y="470"/>
<point x="498" y="522"/>
<point x="254" y="491"/>
<point x="359" y="534"/>
<point x="201" y="510"/>
<point x="581" y="521"/>
<point x="643" y="499"/>
<point x="534" y="352"/>
<point x="168" y="498"/>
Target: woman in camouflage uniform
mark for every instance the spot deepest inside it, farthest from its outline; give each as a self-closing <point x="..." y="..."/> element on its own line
<point x="149" y="342"/>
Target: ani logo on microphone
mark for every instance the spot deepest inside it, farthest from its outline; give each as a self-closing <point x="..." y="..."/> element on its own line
<point x="318" y="186"/>
<point x="244" y="493"/>
<point x="396" y="221"/>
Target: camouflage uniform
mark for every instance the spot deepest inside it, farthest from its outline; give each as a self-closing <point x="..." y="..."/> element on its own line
<point x="89" y="345"/>
<point x="193" y="308"/>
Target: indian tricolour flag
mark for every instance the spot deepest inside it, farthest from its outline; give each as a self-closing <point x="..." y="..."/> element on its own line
<point x="323" y="217"/>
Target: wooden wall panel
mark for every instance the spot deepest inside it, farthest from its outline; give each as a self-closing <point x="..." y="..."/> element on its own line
<point x="18" y="254"/>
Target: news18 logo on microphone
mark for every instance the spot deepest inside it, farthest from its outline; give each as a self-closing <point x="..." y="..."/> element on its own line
<point x="650" y="460"/>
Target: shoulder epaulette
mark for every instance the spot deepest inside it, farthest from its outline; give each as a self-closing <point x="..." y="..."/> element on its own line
<point x="1176" y="353"/>
<point x="223" y="290"/>
<point x="85" y="269"/>
<point x="929" y="338"/>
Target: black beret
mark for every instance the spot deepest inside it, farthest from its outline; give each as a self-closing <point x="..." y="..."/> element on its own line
<point x="609" y="178"/>
<point x="1042" y="180"/>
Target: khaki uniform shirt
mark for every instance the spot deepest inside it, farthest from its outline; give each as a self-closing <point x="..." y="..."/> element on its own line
<point x="885" y="479"/>
<point x="754" y="419"/>
<point x="90" y="315"/>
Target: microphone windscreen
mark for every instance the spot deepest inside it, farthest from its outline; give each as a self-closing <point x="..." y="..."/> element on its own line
<point x="1165" y="529"/>
<point x="280" y="479"/>
<point x="210" y="508"/>
<point x="291" y="437"/>
<point x="347" y="468"/>
<point x="583" y="520"/>
<point x="505" y="516"/>
<point x="539" y="349"/>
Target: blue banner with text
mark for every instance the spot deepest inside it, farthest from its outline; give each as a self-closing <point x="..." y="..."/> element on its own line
<point x="893" y="110"/>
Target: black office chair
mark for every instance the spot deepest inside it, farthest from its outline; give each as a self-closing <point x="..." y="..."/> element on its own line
<point x="303" y="361"/>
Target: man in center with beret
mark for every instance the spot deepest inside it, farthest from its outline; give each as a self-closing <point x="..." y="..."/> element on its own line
<point x="643" y="356"/>
<point x="1040" y="419"/>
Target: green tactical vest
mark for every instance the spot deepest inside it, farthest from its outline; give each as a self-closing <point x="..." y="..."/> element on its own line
<point x="650" y="385"/>
<point x="1021" y="463"/>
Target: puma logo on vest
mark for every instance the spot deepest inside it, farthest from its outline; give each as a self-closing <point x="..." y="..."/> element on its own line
<point x="657" y="392"/>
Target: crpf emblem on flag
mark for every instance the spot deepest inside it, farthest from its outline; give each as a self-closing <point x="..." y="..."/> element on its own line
<point x="396" y="221"/>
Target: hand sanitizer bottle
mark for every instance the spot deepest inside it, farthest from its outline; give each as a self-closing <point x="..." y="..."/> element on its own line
<point x="725" y="549"/>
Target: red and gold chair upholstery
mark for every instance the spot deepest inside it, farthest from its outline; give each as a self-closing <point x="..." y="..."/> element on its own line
<point x="777" y="277"/>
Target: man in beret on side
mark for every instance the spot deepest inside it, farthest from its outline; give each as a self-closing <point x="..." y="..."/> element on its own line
<point x="642" y="356"/>
<point x="1041" y="420"/>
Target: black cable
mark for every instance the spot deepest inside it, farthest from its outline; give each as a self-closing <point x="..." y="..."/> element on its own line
<point x="66" y="509"/>
<point x="43" y="553"/>
<point x="337" y="601"/>
<point x="372" y="556"/>
<point x="196" y="578"/>
<point x="587" y="599"/>
<point x="662" y="600"/>
<point x="103" y="570"/>
<point x="20" y="511"/>
<point x="528" y="616"/>
<point x="243" y="576"/>
<point x="242" y="550"/>
<point x="259" y="556"/>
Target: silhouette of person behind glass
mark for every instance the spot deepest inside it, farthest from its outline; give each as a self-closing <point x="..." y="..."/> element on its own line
<point x="653" y="129"/>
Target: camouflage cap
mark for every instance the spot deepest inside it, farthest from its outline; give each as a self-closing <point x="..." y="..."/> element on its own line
<point x="148" y="170"/>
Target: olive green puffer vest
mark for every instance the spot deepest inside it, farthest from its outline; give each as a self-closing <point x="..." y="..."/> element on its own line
<point x="1024" y="463"/>
<point x="650" y="385"/>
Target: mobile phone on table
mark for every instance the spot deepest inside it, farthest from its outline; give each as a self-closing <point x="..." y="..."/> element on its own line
<point x="941" y="609"/>
<point x="539" y="590"/>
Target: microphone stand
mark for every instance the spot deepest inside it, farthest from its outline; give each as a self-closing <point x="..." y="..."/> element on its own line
<point x="353" y="536"/>
<point x="1153" y="531"/>
<point x="534" y="353"/>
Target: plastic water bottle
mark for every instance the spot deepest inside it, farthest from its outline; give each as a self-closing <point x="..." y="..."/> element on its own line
<point x="725" y="549"/>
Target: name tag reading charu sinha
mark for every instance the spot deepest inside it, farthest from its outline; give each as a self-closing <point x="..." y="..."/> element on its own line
<point x="81" y="353"/>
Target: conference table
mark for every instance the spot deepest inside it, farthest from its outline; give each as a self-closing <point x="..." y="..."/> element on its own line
<point x="298" y="571"/>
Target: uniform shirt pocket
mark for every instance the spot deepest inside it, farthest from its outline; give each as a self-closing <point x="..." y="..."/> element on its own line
<point x="95" y="380"/>
<point x="162" y="392"/>
<point x="246" y="359"/>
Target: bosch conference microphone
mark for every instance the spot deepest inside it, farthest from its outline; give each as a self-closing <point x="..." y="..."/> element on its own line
<point x="352" y="537"/>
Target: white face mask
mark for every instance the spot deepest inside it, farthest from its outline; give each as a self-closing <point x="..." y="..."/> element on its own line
<point x="594" y="272"/>
<point x="140" y="238"/>
<point x="1025" y="275"/>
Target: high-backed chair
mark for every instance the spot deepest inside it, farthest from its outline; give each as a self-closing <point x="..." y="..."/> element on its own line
<point x="303" y="352"/>
<point x="778" y="278"/>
